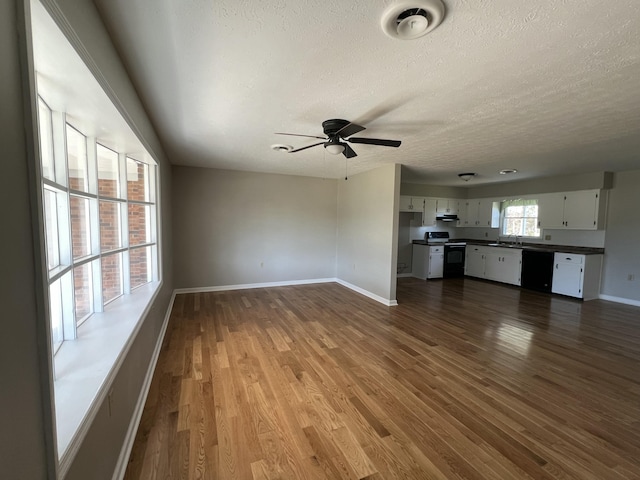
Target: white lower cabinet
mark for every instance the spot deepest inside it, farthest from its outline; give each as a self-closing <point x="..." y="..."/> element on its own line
<point x="427" y="261"/>
<point x="436" y="262"/>
<point x="494" y="263"/>
<point x="577" y="275"/>
<point x="503" y="265"/>
<point x="474" y="261"/>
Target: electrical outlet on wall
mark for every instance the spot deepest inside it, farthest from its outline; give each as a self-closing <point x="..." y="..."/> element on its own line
<point x="631" y="277"/>
<point x="547" y="237"/>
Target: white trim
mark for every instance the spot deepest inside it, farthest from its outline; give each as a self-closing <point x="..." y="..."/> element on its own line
<point x="245" y="286"/>
<point x="626" y="301"/>
<point x="123" y="459"/>
<point x="366" y="293"/>
<point x="404" y="275"/>
<point x="68" y="453"/>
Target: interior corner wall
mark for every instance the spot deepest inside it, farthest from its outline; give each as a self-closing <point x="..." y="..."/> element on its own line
<point x="243" y="228"/>
<point x="368" y="229"/>
<point x="621" y="257"/>
<point x="23" y="453"/>
<point x="98" y="455"/>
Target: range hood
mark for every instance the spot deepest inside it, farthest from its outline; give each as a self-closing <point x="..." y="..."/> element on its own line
<point x="447" y="217"/>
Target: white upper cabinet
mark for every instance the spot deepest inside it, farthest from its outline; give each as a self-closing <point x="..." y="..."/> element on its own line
<point x="581" y="210"/>
<point x="551" y="210"/>
<point x="429" y="215"/>
<point x="479" y="212"/>
<point x="446" y="206"/>
<point x="411" y="204"/>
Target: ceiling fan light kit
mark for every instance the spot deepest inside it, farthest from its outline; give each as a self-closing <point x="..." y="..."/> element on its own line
<point x="334" y="148"/>
<point x="338" y="132"/>
<point x="411" y="19"/>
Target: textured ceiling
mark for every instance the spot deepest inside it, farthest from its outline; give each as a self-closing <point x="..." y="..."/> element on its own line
<point x="548" y="87"/>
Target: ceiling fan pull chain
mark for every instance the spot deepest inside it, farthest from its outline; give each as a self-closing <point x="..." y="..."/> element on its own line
<point x="345" y="169"/>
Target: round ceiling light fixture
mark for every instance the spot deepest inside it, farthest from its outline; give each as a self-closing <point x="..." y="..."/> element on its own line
<point x="411" y="19"/>
<point x="279" y="147"/>
<point x="508" y="171"/>
<point x="334" y="147"/>
<point x="466" y="176"/>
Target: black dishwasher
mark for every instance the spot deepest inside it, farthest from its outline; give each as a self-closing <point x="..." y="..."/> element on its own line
<point x="537" y="269"/>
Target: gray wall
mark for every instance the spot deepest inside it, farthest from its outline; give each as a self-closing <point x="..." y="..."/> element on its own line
<point x="622" y="255"/>
<point x="435" y="191"/>
<point x="563" y="183"/>
<point x="23" y="452"/>
<point x="367" y="230"/>
<point x="234" y="228"/>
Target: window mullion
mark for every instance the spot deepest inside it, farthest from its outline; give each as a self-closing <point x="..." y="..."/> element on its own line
<point x="94" y="225"/>
<point x="69" y="324"/>
<point x="59" y="148"/>
<point x="124" y="224"/>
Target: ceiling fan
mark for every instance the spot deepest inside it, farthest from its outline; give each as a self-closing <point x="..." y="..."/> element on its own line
<point x="337" y="133"/>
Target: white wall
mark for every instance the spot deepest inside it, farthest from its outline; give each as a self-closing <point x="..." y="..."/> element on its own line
<point x="237" y="228"/>
<point x="622" y="252"/>
<point x="367" y="231"/>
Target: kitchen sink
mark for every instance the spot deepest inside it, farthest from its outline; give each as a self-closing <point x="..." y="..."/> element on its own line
<point x="507" y="245"/>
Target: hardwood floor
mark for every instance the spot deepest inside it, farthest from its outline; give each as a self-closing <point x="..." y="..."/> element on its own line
<point x="464" y="379"/>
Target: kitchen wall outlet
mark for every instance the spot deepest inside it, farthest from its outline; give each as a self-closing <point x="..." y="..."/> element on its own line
<point x="631" y="277"/>
<point x="547" y="237"/>
<point x="486" y="234"/>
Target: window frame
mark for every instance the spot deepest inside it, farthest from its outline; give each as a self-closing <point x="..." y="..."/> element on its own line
<point x="519" y="202"/>
<point x="63" y="273"/>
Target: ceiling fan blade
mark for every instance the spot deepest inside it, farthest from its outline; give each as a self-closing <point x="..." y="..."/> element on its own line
<point x="298" y="135"/>
<point x="350" y="129"/>
<point x="376" y="141"/>
<point x="349" y="152"/>
<point x="304" y="148"/>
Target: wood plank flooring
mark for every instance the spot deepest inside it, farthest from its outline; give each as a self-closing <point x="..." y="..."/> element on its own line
<point x="463" y="380"/>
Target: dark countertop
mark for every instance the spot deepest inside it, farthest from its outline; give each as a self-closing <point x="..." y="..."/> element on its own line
<point x="527" y="246"/>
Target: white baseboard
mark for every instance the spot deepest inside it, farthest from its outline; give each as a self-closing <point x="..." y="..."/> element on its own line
<point x="125" y="452"/>
<point x="626" y="301"/>
<point x="404" y="275"/>
<point x="366" y="293"/>
<point x="246" y="286"/>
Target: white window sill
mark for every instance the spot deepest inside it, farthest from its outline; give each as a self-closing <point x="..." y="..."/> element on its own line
<point x="85" y="367"/>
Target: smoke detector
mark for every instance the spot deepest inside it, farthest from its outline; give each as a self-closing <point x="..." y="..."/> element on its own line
<point x="411" y="19"/>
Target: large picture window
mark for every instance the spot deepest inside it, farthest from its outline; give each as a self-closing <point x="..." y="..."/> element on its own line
<point x="520" y="218"/>
<point x="99" y="210"/>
